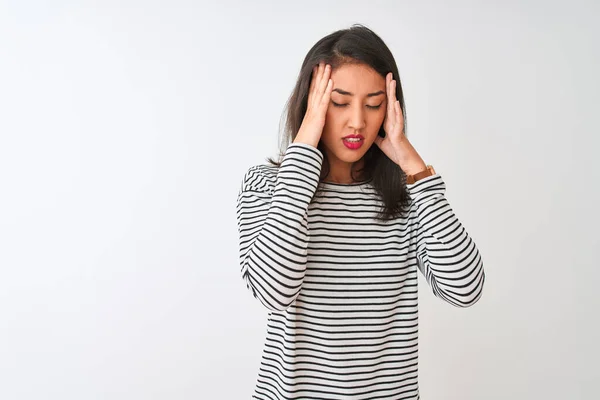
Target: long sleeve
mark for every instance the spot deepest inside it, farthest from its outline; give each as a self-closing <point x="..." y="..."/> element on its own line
<point x="447" y="256"/>
<point x="272" y="220"/>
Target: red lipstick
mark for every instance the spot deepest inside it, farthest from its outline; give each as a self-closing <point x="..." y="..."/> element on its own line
<point x="353" y="142"/>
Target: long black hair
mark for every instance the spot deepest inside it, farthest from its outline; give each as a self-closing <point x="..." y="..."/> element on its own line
<point x="355" y="45"/>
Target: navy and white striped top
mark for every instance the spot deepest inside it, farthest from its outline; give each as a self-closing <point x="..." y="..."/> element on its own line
<point x="340" y="285"/>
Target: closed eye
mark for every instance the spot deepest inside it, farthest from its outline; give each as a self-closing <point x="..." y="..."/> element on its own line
<point x="368" y="106"/>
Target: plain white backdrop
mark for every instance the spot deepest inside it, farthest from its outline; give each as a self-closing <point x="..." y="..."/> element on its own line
<point x="126" y="128"/>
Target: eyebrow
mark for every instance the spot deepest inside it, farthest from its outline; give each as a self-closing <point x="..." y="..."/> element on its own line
<point x="345" y="93"/>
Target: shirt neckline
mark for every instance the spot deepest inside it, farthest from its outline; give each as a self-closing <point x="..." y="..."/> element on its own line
<point x="344" y="186"/>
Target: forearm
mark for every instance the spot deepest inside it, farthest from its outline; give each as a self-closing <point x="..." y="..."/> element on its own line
<point x="274" y="232"/>
<point x="448" y="256"/>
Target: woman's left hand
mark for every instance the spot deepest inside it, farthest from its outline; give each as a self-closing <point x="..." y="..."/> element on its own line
<point x="395" y="145"/>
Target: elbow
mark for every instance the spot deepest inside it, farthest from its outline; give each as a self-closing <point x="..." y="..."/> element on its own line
<point x="272" y="298"/>
<point x="283" y="304"/>
<point x="468" y="302"/>
<point x="278" y="303"/>
<point x="470" y="298"/>
<point x="460" y="296"/>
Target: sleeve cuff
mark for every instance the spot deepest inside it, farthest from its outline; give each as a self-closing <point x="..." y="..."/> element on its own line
<point x="305" y="149"/>
<point x="427" y="187"/>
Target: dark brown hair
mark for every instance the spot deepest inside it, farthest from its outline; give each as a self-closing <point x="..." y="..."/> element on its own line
<point x="355" y="45"/>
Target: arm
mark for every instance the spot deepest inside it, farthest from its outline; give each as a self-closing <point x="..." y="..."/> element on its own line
<point x="447" y="256"/>
<point x="273" y="226"/>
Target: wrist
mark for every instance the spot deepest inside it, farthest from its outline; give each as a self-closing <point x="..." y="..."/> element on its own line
<point x="428" y="171"/>
<point x="309" y="142"/>
<point x="414" y="168"/>
<point x="410" y="161"/>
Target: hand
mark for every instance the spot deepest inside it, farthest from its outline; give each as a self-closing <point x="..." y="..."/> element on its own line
<point x="319" y="95"/>
<point x="395" y="145"/>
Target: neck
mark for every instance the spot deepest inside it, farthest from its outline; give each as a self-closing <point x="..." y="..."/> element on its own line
<point x="341" y="173"/>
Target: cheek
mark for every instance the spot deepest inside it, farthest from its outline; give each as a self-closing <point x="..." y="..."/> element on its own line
<point x="376" y="119"/>
<point x="332" y="118"/>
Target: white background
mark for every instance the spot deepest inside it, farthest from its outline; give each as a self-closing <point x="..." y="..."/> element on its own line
<point x="126" y="128"/>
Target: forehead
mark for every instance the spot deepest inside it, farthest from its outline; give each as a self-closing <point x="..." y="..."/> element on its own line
<point x="359" y="79"/>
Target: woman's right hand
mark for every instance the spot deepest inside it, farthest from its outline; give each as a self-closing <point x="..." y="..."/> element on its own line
<point x="319" y="95"/>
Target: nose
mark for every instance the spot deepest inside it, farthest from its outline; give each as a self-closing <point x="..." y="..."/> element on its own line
<point x="357" y="117"/>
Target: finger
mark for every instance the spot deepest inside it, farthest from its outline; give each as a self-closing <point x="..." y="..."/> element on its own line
<point x="400" y="116"/>
<point x="327" y="94"/>
<point x="324" y="81"/>
<point x="395" y="101"/>
<point x="320" y="74"/>
<point x="392" y="106"/>
<point x="314" y="84"/>
<point x="327" y="77"/>
<point x="319" y="82"/>
<point x="390" y="100"/>
<point x="313" y="78"/>
<point x="387" y="96"/>
<point x="398" y="113"/>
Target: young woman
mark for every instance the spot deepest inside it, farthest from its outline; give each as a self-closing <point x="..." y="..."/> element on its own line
<point x="333" y="233"/>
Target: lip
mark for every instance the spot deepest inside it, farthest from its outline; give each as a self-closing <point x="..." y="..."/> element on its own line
<point x="354" y="145"/>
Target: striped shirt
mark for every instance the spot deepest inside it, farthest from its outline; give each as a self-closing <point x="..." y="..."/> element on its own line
<point x="339" y="285"/>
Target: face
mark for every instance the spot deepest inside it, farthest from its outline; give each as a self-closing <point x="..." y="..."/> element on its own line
<point x="358" y="106"/>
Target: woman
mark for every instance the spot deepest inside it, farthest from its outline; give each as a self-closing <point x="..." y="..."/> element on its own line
<point x="332" y="235"/>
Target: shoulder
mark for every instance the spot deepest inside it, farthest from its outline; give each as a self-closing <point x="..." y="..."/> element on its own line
<point x="259" y="178"/>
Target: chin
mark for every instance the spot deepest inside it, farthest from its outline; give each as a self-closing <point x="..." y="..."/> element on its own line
<point x="350" y="156"/>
